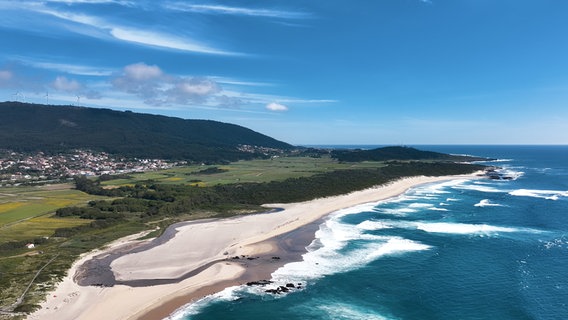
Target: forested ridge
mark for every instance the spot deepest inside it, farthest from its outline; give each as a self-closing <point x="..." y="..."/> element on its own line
<point x="397" y="153"/>
<point x="28" y="127"/>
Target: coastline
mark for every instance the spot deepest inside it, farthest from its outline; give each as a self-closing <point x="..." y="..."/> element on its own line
<point x="259" y="237"/>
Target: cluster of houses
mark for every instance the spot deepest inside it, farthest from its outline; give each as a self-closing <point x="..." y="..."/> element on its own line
<point x="17" y="168"/>
<point x="258" y="149"/>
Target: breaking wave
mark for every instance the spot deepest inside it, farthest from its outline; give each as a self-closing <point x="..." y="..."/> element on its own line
<point x="544" y="194"/>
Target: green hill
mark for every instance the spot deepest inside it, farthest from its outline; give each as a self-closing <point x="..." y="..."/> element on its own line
<point x="32" y="127"/>
<point x="398" y="153"/>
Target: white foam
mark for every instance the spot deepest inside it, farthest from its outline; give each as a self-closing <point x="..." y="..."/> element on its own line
<point x="438" y="188"/>
<point x="373" y="225"/>
<point x="454" y="228"/>
<point x="397" y="245"/>
<point x="330" y="260"/>
<point x="228" y="294"/>
<point x="328" y="253"/>
<point x="509" y="172"/>
<point x="461" y="228"/>
<point x="480" y="188"/>
<point x="487" y="203"/>
<point x="401" y="212"/>
<point x="420" y="205"/>
<point x="555" y="243"/>
<point x="365" y="207"/>
<point x="437" y="209"/>
<point x="347" y="312"/>
<point x="544" y="194"/>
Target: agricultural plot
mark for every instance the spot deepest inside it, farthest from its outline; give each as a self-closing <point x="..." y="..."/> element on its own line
<point x="26" y="212"/>
<point x="21" y="203"/>
<point x="36" y="227"/>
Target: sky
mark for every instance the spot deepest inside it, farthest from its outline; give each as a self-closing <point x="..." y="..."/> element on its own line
<point x="307" y="72"/>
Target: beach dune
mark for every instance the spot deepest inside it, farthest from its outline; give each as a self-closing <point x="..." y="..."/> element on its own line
<point x="197" y="260"/>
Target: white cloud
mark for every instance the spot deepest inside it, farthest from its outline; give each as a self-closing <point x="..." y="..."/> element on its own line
<point x="157" y="88"/>
<point x="105" y="30"/>
<point x="220" y="9"/>
<point x="64" y="84"/>
<point x="164" y="41"/>
<point x="193" y="90"/>
<point x="274" y="106"/>
<point x="197" y="87"/>
<point x="73" y="17"/>
<point x="145" y="81"/>
<point x="142" y="72"/>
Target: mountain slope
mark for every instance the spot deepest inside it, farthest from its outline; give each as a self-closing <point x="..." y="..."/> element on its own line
<point x="33" y="127"/>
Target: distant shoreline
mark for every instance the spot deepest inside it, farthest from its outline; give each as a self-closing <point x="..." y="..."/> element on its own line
<point x="191" y="246"/>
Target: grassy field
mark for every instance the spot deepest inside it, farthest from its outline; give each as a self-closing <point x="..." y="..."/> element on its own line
<point x="21" y="203"/>
<point x="42" y="226"/>
<point x="242" y="171"/>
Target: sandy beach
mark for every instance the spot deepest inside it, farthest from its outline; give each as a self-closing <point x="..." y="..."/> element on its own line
<point x="200" y="258"/>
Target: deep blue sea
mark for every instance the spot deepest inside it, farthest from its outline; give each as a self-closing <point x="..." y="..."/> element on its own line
<point x="461" y="249"/>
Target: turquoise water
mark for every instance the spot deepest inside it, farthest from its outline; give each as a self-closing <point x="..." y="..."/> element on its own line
<point x="462" y="249"/>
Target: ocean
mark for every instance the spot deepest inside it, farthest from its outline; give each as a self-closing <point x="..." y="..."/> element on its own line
<point x="461" y="249"/>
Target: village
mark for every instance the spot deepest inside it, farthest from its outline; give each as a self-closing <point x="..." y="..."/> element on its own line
<point x="38" y="168"/>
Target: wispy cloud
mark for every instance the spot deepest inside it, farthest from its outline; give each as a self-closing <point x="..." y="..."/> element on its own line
<point x="80" y="70"/>
<point x="238" y="82"/>
<point x="240" y="11"/>
<point x="164" y="40"/>
<point x="308" y="101"/>
<point x="120" y="2"/>
<point x="267" y="98"/>
<point x="103" y="29"/>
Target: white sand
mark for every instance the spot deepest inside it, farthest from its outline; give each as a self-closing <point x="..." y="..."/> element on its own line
<point x="193" y="246"/>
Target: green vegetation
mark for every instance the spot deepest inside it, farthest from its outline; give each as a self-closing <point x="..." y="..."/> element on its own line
<point x="258" y="170"/>
<point x="397" y="153"/>
<point x="51" y="129"/>
<point x="64" y="222"/>
<point x="21" y="203"/>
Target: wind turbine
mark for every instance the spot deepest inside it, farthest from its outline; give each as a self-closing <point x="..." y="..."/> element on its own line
<point x="16" y="95"/>
<point x="47" y="97"/>
<point x="78" y="99"/>
<point x="19" y="94"/>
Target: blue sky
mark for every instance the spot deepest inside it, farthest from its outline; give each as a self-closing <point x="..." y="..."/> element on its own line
<point x="305" y="72"/>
